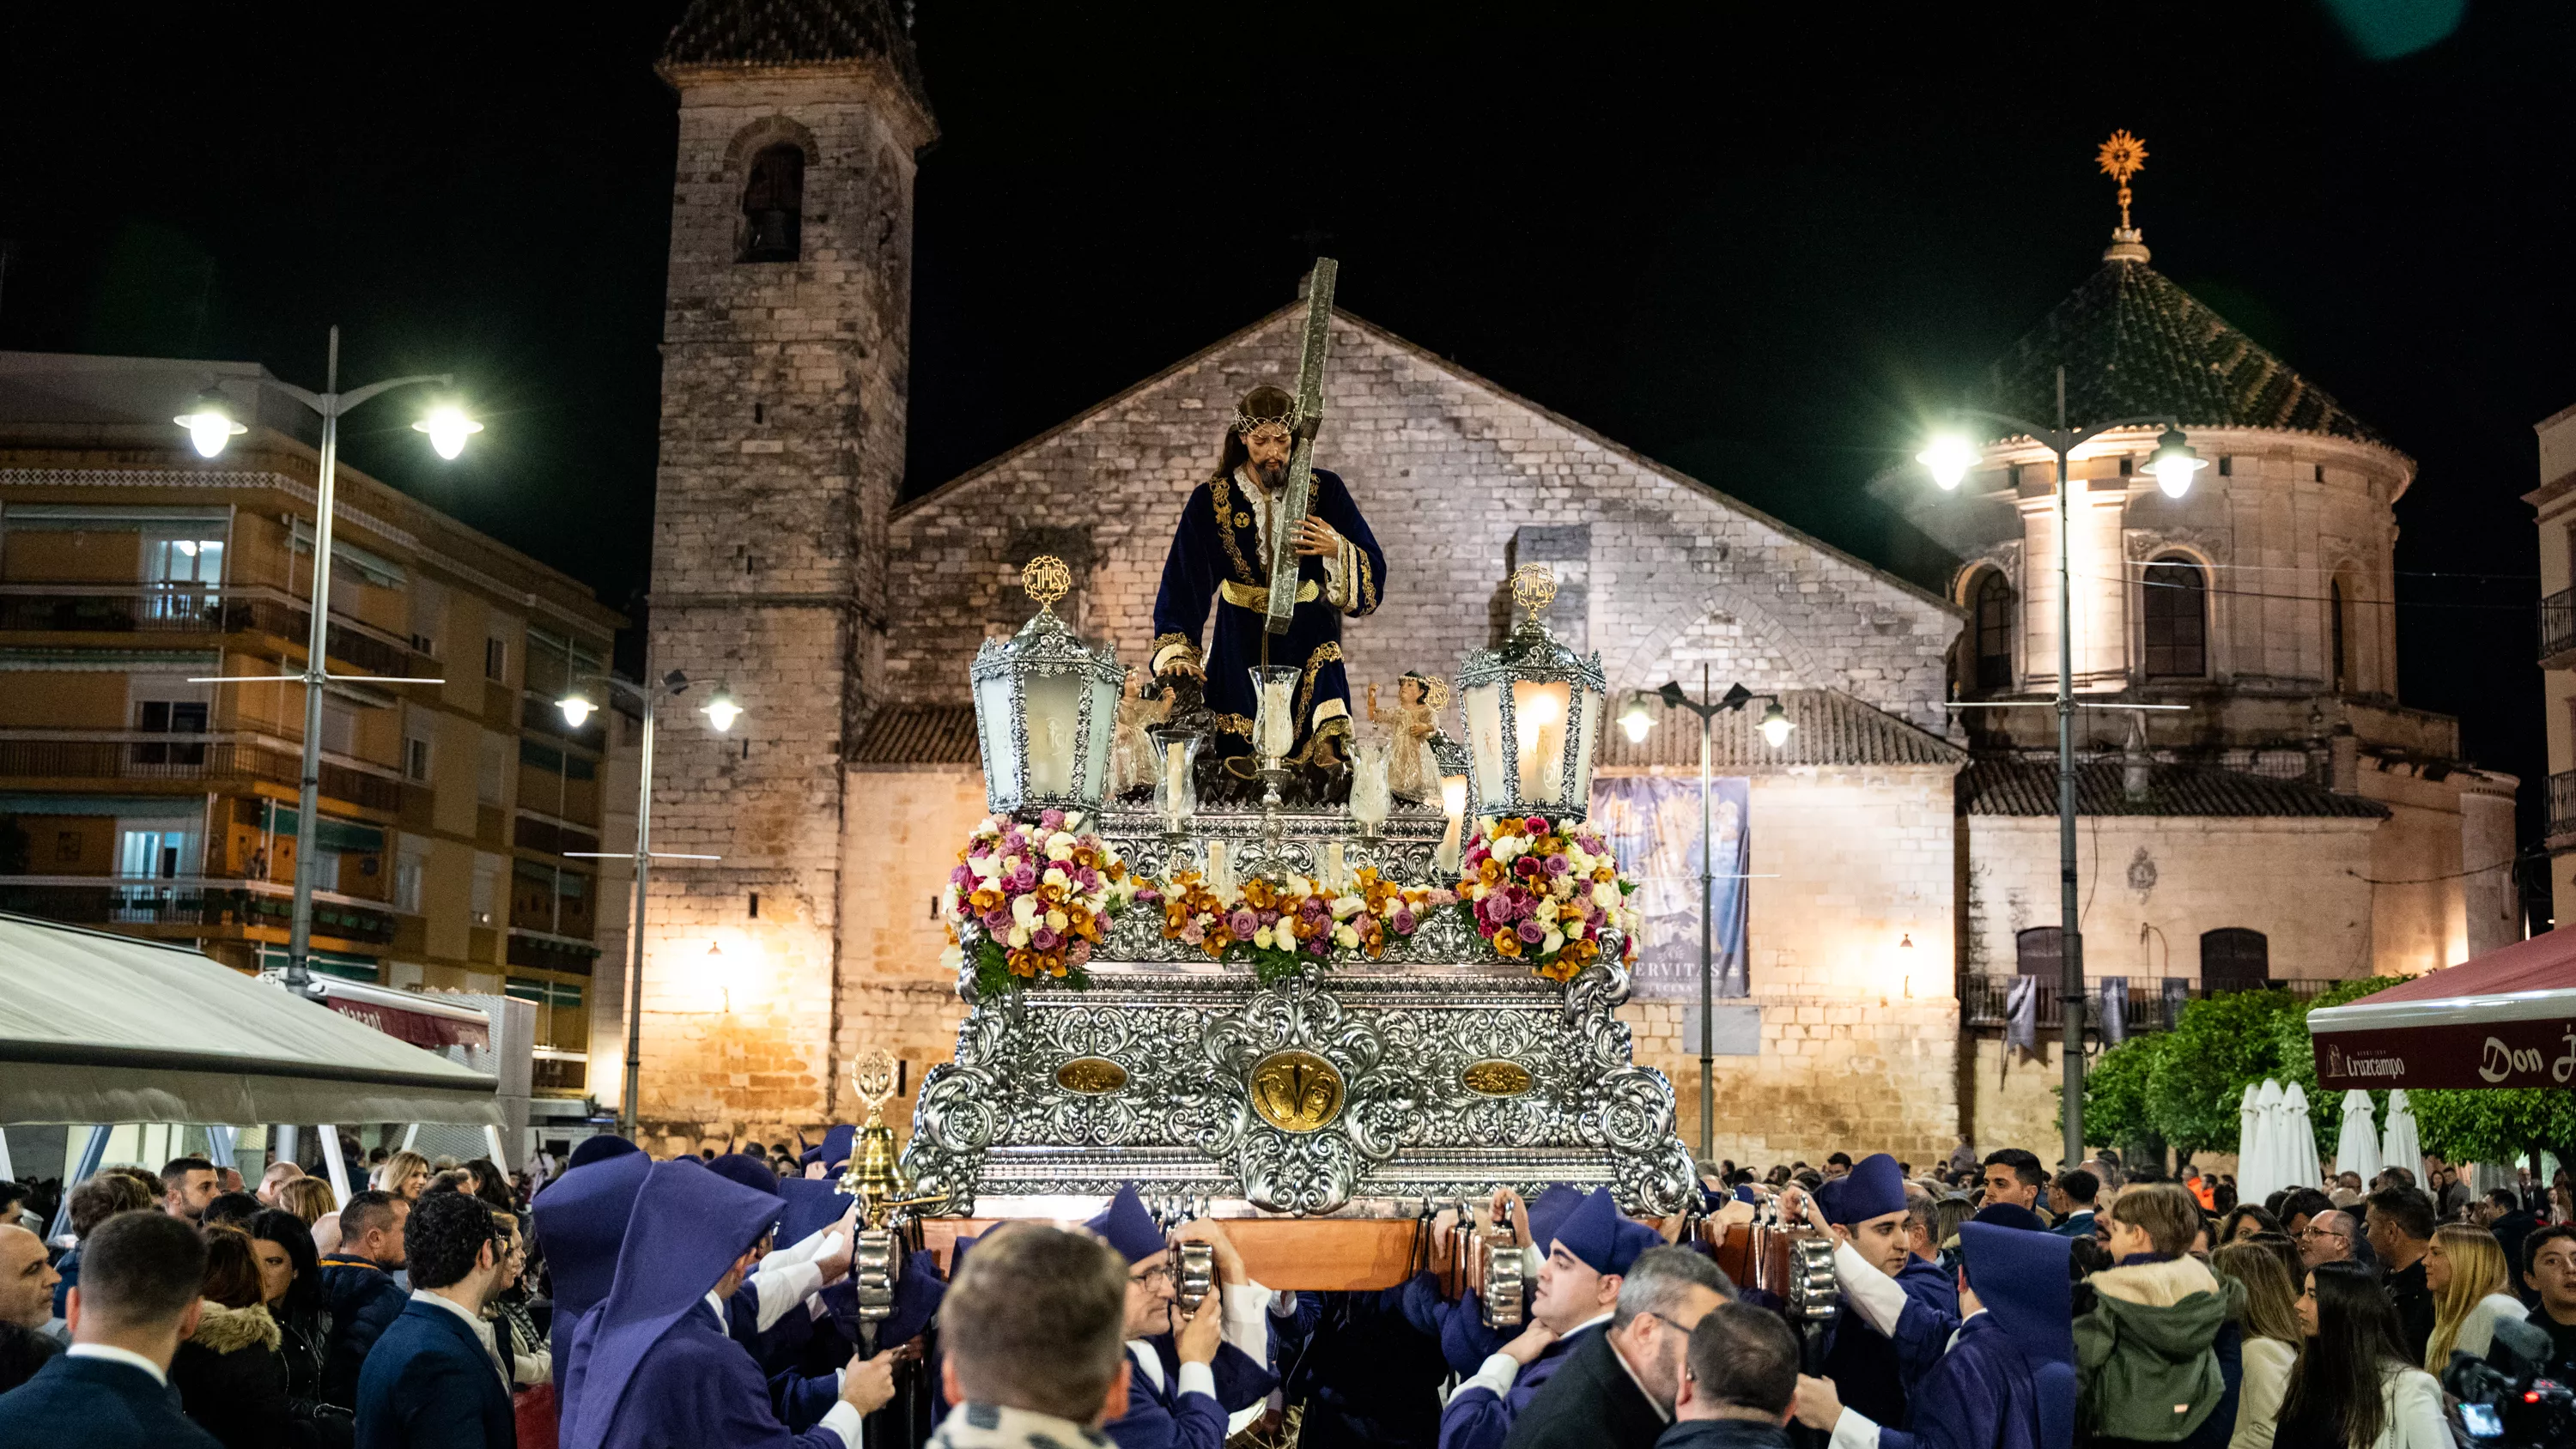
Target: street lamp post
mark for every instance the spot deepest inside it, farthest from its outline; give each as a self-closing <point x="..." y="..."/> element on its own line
<point x="721" y="712"/>
<point x="210" y="426"/>
<point x="1948" y="458"/>
<point x="1775" y="728"/>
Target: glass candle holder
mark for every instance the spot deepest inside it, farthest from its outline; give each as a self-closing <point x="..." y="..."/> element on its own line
<point x="1274" y="722"/>
<point x="1176" y="755"/>
<point x="1370" y="797"/>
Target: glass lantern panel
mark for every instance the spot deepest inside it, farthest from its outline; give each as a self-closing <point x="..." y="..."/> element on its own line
<point x="1103" y="704"/>
<point x="1587" y="744"/>
<point x="993" y="725"/>
<point x="1483" y="708"/>
<point x="1539" y="723"/>
<point x="1054" y="703"/>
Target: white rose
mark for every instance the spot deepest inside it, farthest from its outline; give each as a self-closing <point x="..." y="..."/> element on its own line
<point x="1061" y="850"/>
<point x="984" y="866"/>
<point x="1019" y="937"/>
<point x="1605" y="895"/>
<point x="1024" y="911"/>
<point x="1055" y="876"/>
<point x="952" y="957"/>
<point x="1073" y="820"/>
<point x="1058" y="920"/>
<point x="1554" y="942"/>
<point x="1346" y="937"/>
<point x="948" y="900"/>
<point x="1261" y="938"/>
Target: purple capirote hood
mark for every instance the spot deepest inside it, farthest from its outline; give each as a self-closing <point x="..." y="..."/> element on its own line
<point x="580" y="1221"/>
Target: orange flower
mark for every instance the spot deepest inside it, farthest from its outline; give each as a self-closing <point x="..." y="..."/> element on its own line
<point x="1258" y="894"/>
<point x="1507" y="942"/>
<point x="984" y="899"/>
<point x="1560" y="969"/>
<point x="1490" y="871"/>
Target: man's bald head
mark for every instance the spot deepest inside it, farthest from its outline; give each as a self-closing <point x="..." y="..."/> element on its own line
<point x="26" y="1280"/>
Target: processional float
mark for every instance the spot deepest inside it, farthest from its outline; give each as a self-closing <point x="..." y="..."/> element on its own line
<point x="1321" y="1011"/>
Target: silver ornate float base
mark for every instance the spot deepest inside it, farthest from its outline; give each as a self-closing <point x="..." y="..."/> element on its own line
<point x="1361" y="1090"/>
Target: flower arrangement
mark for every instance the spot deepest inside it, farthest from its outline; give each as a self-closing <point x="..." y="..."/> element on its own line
<point x="1544" y="892"/>
<point x="1031" y="900"/>
<point x="1285" y="924"/>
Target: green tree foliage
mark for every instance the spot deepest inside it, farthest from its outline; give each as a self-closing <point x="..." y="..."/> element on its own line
<point x="2494" y="1125"/>
<point x="2299" y="1064"/>
<point x="2115" y="1093"/>
<point x="2219" y="1044"/>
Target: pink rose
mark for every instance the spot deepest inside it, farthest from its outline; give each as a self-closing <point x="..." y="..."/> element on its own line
<point x="1532" y="933"/>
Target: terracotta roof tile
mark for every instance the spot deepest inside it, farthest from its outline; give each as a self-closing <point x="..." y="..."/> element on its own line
<point x="1832" y="729"/>
<point x="763" y="33"/>
<point x="920" y="734"/>
<point x="2004" y="786"/>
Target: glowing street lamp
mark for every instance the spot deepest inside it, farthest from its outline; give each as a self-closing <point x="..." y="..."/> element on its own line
<point x="1775" y="726"/>
<point x="210" y="424"/>
<point x="721" y="711"/>
<point x="577" y="709"/>
<point x="2174" y="463"/>
<point x="448" y="428"/>
<point x="1948" y="458"/>
<point x="1636" y="719"/>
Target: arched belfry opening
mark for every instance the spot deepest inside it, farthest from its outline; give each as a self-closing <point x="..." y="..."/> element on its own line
<point x="773" y="204"/>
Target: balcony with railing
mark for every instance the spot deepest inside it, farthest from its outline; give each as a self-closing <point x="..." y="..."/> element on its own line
<point x="195" y="903"/>
<point x="198" y="609"/>
<point x="2154" y="1002"/>
<point x="2562" y="810"/>
<point x="2558" y="629"/>
<point x="217" y="760"/>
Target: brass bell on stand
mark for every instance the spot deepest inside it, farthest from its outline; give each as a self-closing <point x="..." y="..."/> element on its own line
<point x="875" y="1178"/>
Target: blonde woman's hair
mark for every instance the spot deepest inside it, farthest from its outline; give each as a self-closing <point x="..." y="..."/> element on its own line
<point x="2271" y="1301"/>
<point x="394" y="1171"/>
<point x="2477" y="1269"/>
<point x="308" y="1198"/>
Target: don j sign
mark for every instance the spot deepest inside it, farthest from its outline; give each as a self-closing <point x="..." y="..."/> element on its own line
<point x="2459" y="1042"/>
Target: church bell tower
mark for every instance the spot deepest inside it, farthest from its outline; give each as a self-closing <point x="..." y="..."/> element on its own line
<point x="785" y="341"/>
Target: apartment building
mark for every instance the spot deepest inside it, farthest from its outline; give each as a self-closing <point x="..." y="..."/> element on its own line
<point x="138" y="797"/>
<point x="2554" y="501"/>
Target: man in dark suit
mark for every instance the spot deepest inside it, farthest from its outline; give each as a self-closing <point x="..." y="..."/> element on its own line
<point x="358" y="1287"/>
<point x="1617" y="1388"/>
<point x="1739" y="1383"/>
<point x="433" y="1380"/>
<point x="137" y="1298"/>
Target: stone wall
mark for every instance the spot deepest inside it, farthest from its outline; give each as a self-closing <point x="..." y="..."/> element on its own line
<point x="781" y="443"/>
<point x="1458" y="479"/>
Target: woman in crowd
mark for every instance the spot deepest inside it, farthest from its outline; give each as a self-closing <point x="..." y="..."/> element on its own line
<point x="2464" y="1270"/>
<point x="2245" y="1220"/>
<point x="2271" y="1338"/>
<point x="491" y="1185"/>
<point x="290" y="1273"/>
<point x="227" y="1373"/>
<point x="514" y="1329"/>
<point x="2353" y="1387"/>
<point x="312" y="1201"/>
<point x="405" y="1174"/>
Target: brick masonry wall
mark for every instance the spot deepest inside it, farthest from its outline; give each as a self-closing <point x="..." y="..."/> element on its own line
<point x="1452" y="474"/>
<point x="782" y="440"/>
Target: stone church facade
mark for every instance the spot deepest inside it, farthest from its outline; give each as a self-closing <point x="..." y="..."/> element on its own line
<point x="1891" y="848"/>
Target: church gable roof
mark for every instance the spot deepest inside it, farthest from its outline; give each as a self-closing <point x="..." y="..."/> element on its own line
<point x="2133" y="342"/>
<point x="768" y="34"/>
<point x="2015" y="786"/>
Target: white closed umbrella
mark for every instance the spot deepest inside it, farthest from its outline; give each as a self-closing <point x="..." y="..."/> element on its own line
<point x="2357" y="1146"/>
<point x="2402" y="1149"/>
<point x="2267" y="1109"/>
<point x="2251" y="1184"/>
<point x="2298" y="1138"/>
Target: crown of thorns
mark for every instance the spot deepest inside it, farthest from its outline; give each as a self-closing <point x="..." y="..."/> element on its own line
<point x="1262" y="406"/>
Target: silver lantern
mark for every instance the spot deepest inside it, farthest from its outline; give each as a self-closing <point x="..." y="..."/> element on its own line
<point x="1046" y="706"/>
<point x="1533" y="712"/>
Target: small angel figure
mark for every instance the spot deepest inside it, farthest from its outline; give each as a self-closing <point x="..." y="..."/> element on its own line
<point x="1411" y="771"/>
<point x="1131" y="754"/>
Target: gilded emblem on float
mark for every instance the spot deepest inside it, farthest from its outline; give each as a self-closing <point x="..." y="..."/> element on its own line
<point x="1091" y="1076"/>
<point x="1495" y="1078"/>
<point x="1296" y="1091"/>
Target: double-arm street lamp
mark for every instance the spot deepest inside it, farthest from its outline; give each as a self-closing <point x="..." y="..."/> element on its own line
<point x="1948" y="458"/>
<point x="210" y="425"/>
<point x="721" y="712"/>
<point x="1775" y="726"/>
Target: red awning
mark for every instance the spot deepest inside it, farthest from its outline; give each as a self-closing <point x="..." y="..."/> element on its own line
<point x="408" y="1016"/>
<point x="2505" y="1019"/>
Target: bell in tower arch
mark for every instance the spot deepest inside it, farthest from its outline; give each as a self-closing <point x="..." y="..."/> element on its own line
<point x="773" y="204"/>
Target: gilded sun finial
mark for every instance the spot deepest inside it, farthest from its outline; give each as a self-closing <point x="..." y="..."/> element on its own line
<point x="1046" y="579"/>
<point x="2122" y="157"/>
<point x="1533" y="588"/>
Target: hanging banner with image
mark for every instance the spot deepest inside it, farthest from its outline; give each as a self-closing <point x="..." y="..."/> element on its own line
<point x="1652" y="825"/>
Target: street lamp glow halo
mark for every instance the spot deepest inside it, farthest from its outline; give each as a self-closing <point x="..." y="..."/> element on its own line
<point x="576" y="709"/>
<point x="1636" y="719"/>
<point x="210" y="423"/>
<point x="1776" y="725"/>
<point x="721" y="711"/>
<point x="2174" y="463"/>
<point x="448" y="428"/>
<point x="1948" y="457"/>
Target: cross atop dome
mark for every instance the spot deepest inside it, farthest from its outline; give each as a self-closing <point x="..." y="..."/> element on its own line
<point x="2122" y="157"/>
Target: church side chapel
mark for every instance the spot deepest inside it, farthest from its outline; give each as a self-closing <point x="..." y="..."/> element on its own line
<point x="1480" y="609"/>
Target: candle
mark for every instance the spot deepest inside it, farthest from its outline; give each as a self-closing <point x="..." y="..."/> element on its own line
<point x="1278" y="721"/>
<point x="1176" y="783"/>
<point x="1336" y="866"/>
<point x="1370" y="797"/>
<point x="1220" y="874"/>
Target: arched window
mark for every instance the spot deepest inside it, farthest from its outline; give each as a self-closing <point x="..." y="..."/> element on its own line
<point x="773" y="204"/>
<point x="2177" y="619"/>
<point x="2234" y="959"/>
<point x="1993" y="602"/>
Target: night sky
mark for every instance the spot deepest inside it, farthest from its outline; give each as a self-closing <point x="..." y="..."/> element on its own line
<point x="1758" y="253"/>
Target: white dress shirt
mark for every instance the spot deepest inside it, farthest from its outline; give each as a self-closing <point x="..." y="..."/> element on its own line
<point x="126" y="1356"/>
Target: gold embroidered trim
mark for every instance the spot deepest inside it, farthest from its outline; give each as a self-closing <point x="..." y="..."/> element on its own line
<point x="1233" y="724"/>
<point x="1368" y="582"/>
<point x="1256" y="597"/>
<point x="1186" y="661"/>
<point x="1221" y="493"/>
<point x="1324" y="654"/>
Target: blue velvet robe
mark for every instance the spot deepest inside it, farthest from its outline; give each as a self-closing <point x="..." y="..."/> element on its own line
<point x="1476" y="1419"/>
<point x="1877" y="1374"/>
<point x="694" y="1389"/>
<point x="1162" y="1417"/>
<point x="1218" y="544"/>
<point x="1982" y="1395"/>
<point x="1459" y="1324"/>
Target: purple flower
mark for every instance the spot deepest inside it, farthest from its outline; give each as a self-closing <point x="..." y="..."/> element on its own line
<point x="1192" y="933"/>
<point x="1051" y="819"/>
<point x="1079" y="953"/>
<point x="1024" y="879"/>
<point x="1556" y="865"/>
<point x="980" y="847"/>
<point x="1087" y="879"/>
<point x="1243" y="923"/>
<point x="1043" y="939"/>
<point x="1402" y="922"/>
<point x="1149" y="897"/>
<point x="997" y="920"/>
<point x="962" y="878"/>
<point x="1318" y="946"/>
<point x="1531" y="933"/>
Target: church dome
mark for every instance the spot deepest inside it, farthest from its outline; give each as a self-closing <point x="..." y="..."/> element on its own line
<point x="2133" y="342"/>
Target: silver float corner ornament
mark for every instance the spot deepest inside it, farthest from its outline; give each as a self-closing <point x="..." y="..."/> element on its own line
<point x="1045" y="706"/>
<point x="1533" y="711"/>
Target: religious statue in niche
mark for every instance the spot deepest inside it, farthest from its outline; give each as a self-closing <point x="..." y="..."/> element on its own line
<point x="1410" y="769"/>
<point x="1224" y="552"/>
<point x="1131" y="753"/>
